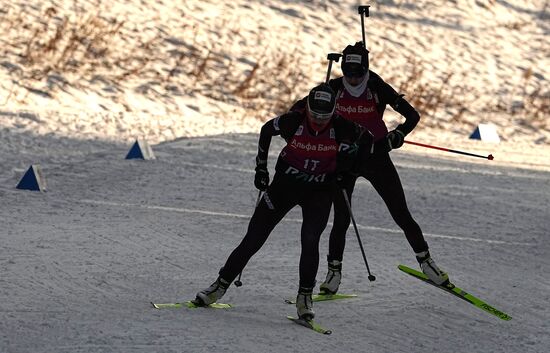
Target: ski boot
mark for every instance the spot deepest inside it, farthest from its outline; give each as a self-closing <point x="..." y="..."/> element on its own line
<point x="304" y="304"/>
<point x="213" y="293"/>
<point x="334" y="276"/>
<point x="430" y="269"/>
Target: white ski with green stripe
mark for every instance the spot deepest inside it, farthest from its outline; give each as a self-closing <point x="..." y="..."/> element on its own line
<point x="457" y="292"/>
<point x="190" y="304"/>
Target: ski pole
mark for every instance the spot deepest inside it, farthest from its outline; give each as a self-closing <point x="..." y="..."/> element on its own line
<point x="489" y="157"/>
<point x="371" y="277"/>
<point x="364" y="12"/>
<point x="238" y="282"/>
<point x="331" y="57"/>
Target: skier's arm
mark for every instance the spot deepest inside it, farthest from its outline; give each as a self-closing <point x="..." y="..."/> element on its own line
<point x="349" y="137"/>
<point x="404" y="108"/>
<point x="284" y="125"/>
<point x="352" y="133"/>
<point x="346" y="133"/>
<point x="269" y="129"/>
<point x="388" y="95"/>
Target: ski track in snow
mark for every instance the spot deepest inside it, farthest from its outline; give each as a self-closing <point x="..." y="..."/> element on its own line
<point x="81" y="263"/>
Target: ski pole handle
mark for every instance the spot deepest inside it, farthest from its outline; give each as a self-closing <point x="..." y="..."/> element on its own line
<point x="489" y="157"/>
<point x="364" y="12"/>
<point x="331" y="57"/>
<point x="329" y="69"/>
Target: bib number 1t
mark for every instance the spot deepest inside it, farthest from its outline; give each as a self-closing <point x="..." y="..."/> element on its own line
<point x="311" y="164"/>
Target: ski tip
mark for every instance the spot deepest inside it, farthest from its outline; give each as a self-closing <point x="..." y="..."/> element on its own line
<point x="402" y="267"/>
<point x="495" y="312"/>
<point x="154" y="305"/>
<point x="458" y="292"/>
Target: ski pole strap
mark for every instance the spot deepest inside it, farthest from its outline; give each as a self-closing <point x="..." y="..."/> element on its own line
<point x="489" y="157"/>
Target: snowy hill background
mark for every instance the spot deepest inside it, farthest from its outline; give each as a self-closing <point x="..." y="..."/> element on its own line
<point x="168" y="69"/>
<point x="79" y="80"/>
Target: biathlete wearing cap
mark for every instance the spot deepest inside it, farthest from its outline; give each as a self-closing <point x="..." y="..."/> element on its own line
<point x="362" y="97"/>
<point x="315" y="139"/>
<point x="305" y="168"/>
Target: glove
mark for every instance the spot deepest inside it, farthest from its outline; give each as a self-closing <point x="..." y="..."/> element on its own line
<point x="261" y="179"/>
<point x="343" y="180"/>
<point x="395" y="139"/>
<point x="345" y="159"/>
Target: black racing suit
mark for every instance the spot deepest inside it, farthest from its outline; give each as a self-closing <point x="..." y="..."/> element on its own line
<point x="377" y="167"/>
<point x="312" y="192"/>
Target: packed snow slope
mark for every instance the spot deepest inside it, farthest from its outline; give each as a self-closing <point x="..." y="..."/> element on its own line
<point x="80" y="263"/>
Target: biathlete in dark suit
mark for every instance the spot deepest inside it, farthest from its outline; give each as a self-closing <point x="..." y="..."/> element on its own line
<point x="317" y="141"/>
<point x="362" y="97"/>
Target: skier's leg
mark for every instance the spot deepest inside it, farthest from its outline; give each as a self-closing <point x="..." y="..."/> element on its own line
<point x="385" y="180"/>
<point x="337" y="240"/>
<point x="315" y="211"/>
<point x="275" y="203"/>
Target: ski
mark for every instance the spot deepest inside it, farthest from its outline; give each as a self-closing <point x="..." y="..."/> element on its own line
<point x="324" y="297"/>
<point x="454" y="290"/>
<point x="189" y="304"/>
<point x="309" y="324"/>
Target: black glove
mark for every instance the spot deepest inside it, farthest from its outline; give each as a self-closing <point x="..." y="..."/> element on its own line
<point x="345" y="159"/>
<point x="344" y="180"/>
<point x="261" y="179"/>
<point x="395" y="139"/>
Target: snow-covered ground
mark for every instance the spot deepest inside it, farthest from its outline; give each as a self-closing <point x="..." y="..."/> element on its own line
<point x="81" y="263"/>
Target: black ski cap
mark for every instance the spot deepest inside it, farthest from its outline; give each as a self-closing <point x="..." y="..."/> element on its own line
<point x="322" y="100"/>
<point x="355" y="60"/>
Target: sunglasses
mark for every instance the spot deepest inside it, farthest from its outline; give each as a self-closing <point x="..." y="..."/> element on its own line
<point x="319" y="116"/>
